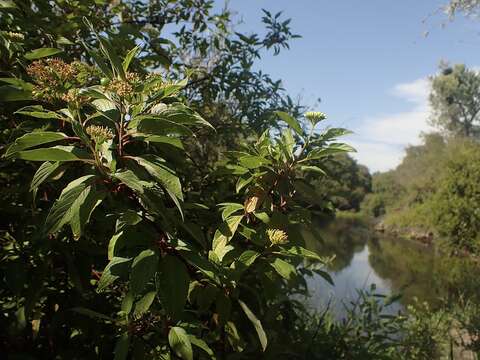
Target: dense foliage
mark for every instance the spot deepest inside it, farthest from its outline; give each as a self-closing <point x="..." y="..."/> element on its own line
<point x="126" y="254"/>
<point x="157" y="189"/>
<point x="435" y="188"/>
<point x="345" y="185"/>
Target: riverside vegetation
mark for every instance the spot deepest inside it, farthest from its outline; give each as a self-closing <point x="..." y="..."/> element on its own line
<point x="155" y="191"/>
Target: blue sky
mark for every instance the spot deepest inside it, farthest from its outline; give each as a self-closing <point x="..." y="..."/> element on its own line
<point x="368" y="61"/>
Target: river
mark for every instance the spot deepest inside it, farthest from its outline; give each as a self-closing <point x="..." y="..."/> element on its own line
<point x="394" y="265"/>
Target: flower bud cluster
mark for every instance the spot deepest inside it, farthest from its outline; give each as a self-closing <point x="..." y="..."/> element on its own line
<point x="277" y="236"/>
<point x="315" y="116"/>
<point x="99" y="134"/>
<point x="124" y="88"/>
<point x="54" y="78"/>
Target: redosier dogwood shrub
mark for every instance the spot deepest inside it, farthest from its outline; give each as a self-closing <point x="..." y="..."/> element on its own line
<point x="129" y="259"/>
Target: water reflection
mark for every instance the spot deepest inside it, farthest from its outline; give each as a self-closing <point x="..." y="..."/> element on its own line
<point x="395" y="265"/>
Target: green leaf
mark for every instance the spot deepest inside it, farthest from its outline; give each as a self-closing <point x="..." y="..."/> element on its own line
<point x="86" y="207"/>
<point x="252" y="161"/>
<point x="142" y="305"/>
<point x="313" y="169"/>
<point x="225" y="232"/>
<point x="202" y="264"/>
<point x="37" y="111"/>
<point x="291" y="121"/>
<point x="283" y="268"/>
<point x="129" y="178"/>
<point x="300" y="251"/>
<point x="41" y="53"/>
<point x="130" y="56"/>
<point x="165" y="176"/>
<point x="247" y="258"/>
<point x="18" y="83"/>
<point x="34" y="139"/>
<point x="121" y="347"/>
<point x="333" y="133"/>
<point x="202" y="345"/>
<point x="325" y="275"/>
<point x="13" y="93"/>
<point x="181" y="114"/>
<point x="99" y="60"/>
<point x="92" y="314"/>
<point x="242" y="182"/>
<point x="109" y="51"/>
<point x="165" y="140"/>
<point x="229" y="209"/>
<point x="332" y="149"/>
<point x="43" y="173"/>
<point x="180" y="343"/>
<point x="237" y="343"/>
<point x="128" y="218"/>
<point x="68" y="203"/>
<point x="127" y="303"/>
<point x="256" y="323"/>
<point x="116" y="268"/>
<point x="144" y="266"/>
<point x="112" y="245"/>
<point x="173" y="283"/>
<point x="243" y="262"/>
<point x="56" y="153"/>
<point x="149" y="125"/>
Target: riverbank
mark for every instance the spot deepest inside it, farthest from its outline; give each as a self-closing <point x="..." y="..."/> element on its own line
<point x="440" y="296"/>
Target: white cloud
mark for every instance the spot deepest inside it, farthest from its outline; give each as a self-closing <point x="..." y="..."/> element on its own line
<point x="381" y="140"/>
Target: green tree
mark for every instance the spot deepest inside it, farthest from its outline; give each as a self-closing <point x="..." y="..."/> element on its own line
<point x="455" y="204"/>
<point x="346" y="183"/>
<point x="455" y="101"/>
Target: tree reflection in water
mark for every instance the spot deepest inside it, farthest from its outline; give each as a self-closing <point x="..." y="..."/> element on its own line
<point x="395" y="265"/>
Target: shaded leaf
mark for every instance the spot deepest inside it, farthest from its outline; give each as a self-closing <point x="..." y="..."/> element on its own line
<point x="92" y="314"/>
<point x="68" y="203"/>
<point x="202" y="345"/>
<point x="144" y="266"/>
<point x="256" y="323"/>
<point x="144" y="304"/>
<point x="116" y="268"/>
<point x="121" y="347"/>
<point x="173" y="284"/>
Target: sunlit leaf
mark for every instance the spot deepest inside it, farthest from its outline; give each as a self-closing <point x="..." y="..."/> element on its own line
<point x="34" y="139"/>
<point x="41" y="53"/>
<point x="291" y="121"/>
<point x="180" y="343"/>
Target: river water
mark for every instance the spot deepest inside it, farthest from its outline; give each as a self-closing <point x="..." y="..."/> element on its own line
<point x="395" y="266"/>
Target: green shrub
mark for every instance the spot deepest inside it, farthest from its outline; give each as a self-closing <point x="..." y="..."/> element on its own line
<point x="127" y="259"/>
<point x="455" y="204"/>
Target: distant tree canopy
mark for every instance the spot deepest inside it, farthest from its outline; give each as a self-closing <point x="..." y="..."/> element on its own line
<point x="346" y="183"/>
<point x="455" y="100"/>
